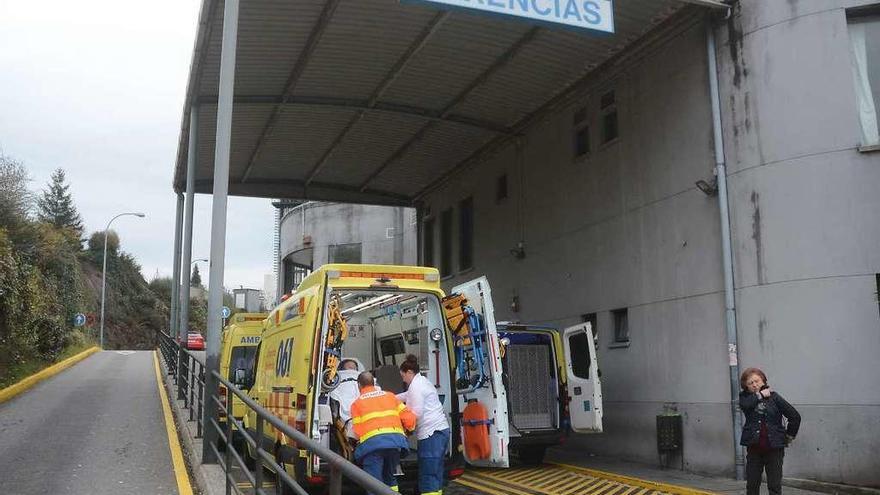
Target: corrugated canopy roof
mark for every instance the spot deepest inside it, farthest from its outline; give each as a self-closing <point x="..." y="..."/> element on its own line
<point x="372" y="101"/>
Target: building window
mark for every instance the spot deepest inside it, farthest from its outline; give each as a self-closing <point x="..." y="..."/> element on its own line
<point x="581" y="132"/>
<point x="501" y="188"/>
<point x="294" y="273"/>
<point x="466" y="234"/>
<point x="608" y="108"/>
<point x="344" y="253"/>
<point x="621" y="325"/>
<point x="446" y="243"/>
<point x="428" y="249"/>
<point x="864" y="48"/>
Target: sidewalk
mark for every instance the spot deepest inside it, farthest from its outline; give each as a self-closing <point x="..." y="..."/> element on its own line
<point x="681" y="478"/>
<point x="210" y="479"/>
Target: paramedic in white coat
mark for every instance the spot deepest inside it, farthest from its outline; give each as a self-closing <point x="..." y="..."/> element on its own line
<point x="347" y="392"/>
<point x="432" y="429"/>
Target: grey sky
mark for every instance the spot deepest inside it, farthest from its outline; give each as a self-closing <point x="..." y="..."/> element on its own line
<point x="96" y="87"/>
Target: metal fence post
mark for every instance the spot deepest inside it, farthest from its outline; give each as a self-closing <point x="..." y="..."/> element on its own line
<point x="229" y="444"/>
<point x="335" y="480"/>
<point x="200" y="404"/>
<point x="258" y="465"/>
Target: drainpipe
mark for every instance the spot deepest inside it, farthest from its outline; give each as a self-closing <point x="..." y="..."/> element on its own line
<point x="729" y="299"/>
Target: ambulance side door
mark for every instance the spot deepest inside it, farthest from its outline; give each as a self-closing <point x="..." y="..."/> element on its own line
<point x="492" y="394"/>
<point x="582" y="373"/>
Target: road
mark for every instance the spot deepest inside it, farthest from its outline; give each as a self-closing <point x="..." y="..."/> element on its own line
<point x="96" y="428"/>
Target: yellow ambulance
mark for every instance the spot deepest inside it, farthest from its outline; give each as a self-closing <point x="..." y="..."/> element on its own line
<point x="238" y="350"/>
<point x="375" y="315"/>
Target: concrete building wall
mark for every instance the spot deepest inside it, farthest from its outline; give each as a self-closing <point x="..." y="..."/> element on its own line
<point x="625" y="227"/>
<point x="804" y="209"/>
<point x="387" y="235"/>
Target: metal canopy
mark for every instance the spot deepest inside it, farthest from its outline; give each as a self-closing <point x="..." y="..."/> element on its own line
<point x="371" y="101"/>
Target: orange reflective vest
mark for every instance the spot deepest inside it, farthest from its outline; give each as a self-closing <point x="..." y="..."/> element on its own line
<point x="377" y="412"/>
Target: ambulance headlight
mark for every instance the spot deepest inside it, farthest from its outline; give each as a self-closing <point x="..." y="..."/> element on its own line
<point x="436" y="334"/>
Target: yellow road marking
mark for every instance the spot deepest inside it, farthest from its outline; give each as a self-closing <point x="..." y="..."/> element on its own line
<point x="475" y="483"/>
<point x="28" y="382"/>
<point x="469" y="484"/>
<point x="629" y="480"/>
<point x="183" y="486"/>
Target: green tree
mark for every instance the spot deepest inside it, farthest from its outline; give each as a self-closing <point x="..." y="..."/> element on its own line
<point x="195" y="280"/>
<point x="161" y="287"/>
<point x="15" y="198"/>
<point x="56" y="206"/>
<point x="96" y="245"/>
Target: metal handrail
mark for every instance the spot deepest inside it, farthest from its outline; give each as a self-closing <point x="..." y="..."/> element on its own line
<point x="339" y="466"/>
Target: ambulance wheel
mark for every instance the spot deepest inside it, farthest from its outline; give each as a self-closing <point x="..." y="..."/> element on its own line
<point x="532" y="455"/>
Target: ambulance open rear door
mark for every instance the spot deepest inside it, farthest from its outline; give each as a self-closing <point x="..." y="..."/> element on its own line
<point x="489" y="396"/>
<point x="584" y="386"/>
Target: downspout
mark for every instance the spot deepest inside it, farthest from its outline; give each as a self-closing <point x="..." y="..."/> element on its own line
<point x="726" y="252"/>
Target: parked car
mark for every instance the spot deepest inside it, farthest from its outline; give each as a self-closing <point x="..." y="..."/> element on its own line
<point x="195" y="342"/>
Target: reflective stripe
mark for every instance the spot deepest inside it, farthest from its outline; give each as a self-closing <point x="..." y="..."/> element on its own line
<point x="396" y="488"/>
<point x="438" y="492"/>
<point x="373" y="415"/>
<point x="379" y="431"/>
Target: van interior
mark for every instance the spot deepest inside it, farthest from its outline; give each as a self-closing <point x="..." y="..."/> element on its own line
<point x="383" y="327"/>
<point x="534" y="396"/>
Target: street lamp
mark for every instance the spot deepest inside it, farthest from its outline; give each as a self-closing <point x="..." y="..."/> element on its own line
<point x="104" y="271"/>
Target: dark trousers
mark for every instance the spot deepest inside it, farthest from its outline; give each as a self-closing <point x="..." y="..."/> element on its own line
<point x="759" y="461"/>
<point x="381" y="464"/>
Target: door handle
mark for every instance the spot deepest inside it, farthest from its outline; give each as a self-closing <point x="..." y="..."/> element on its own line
<point x="578" y="391"/>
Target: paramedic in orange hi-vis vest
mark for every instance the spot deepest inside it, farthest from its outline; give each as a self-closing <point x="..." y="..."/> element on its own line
<point x="380" y="422"/>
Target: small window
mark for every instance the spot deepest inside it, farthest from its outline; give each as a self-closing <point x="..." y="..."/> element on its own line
<point x="242" y="357"/>
<point x="877" y="286"/>
<point x="864" y="48"/>
<point x="428" y="248"/>
<point x="446" y="243"/>
<point x="579" y="346"/>
<point x="344" y="253"/>
<point x="466" y="234"/>
<point x="581" y="133"/>
<point x="501" y="188"/>
<point x="609" y="117"/>
<point x="393" y="350"/>
<point x="621" y="325"/>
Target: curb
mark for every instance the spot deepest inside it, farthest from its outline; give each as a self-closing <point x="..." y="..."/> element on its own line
<point x="825" y="487"/>
<point x="26" y="383"/>
<point x="629" y="480"/>
<point x="193" y="457"/>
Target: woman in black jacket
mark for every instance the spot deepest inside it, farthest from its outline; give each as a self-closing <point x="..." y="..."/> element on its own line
<point x="764" y="433"/>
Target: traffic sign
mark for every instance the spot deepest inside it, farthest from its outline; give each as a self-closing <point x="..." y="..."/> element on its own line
<point x="225" y="312"/>
<point x="79" y="320"/>
<point x="597" y="15"/>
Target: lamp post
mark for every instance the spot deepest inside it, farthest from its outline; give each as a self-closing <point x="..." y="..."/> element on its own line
<point x="104" y="271"/>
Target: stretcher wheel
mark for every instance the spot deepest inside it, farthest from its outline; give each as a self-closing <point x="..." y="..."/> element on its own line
<point x="329" y="380"/>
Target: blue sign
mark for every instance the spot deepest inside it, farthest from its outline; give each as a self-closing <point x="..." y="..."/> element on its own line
<point x="79" y="320"/>
<point x="225" y="312"/>
<point x="597" y="15"/>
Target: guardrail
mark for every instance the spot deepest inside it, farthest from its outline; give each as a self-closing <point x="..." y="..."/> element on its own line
<point x="191" y="375"/>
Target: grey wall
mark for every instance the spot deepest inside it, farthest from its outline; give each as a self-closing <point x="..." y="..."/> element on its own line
<point x="333" y="223"/>
<point x="626" y="227"/>
<point x="804" y="208"/>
